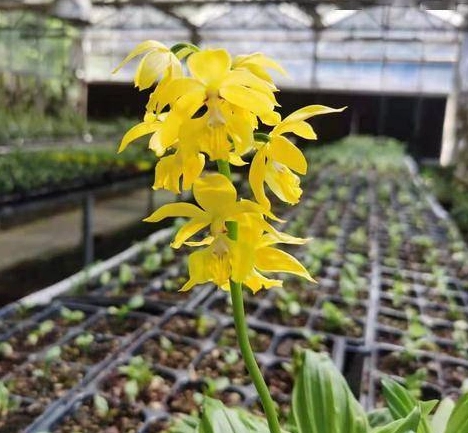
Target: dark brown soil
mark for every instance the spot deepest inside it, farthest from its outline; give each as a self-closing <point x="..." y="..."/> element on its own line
<point x="153" y="395"/>
<point x="96" y="352"/>
<point x="393" y="322"/>
<point x="288" y="344"/>
<point x="454" y="375"/>
<point x="122" y="418"/>
<point x="8" y="363"/>
<point x="112" y="325"/>
<point x="392" y="363"/>
<point x="260" y="340"/>
<point x="16" y="420"/>
<point x="274" y="315"/>
<point x="279" y="380"/>
<point x="54" y="382"/>
<point x="354" y="331"/>
<point x="190" y="326"/>
<point x="20" y="342"/>
<point x="214" y="364"/>
<point x="179" y="356"/>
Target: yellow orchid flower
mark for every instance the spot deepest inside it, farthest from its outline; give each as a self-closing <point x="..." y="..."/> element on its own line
<point x="213" y="83"/>
<point x="276" y="161"/>
<point x="217" y="199"/>
<point x="243" y="260"/>
<point x="157" y="61"/>
<point x="257" y="63"/>
<point x="183" y="164"/>
<point x="151" y="125"/>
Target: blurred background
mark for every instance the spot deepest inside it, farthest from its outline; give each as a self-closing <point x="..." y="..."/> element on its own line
<point x="67" y="200"/>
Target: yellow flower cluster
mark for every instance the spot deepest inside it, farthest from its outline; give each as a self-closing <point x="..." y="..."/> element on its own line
<point x="214" y="111"/>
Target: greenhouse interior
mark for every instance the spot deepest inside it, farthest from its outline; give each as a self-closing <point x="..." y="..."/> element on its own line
<point x="243" y="216"/>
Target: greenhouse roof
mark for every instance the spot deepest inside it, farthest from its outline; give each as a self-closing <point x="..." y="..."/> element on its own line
<point x="373" y="49"/>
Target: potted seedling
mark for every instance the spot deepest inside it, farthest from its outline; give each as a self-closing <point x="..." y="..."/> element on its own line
<point x="334" y="320"/>
<point x="71" y="317"/>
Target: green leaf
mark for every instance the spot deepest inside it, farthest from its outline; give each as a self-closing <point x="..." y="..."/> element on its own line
<point x="185" y="424"/>
<point x="458" y="421"/>
<point x="136" y="302"/>
<point x="322" y="401"/>
<point x="442" y="415"/>
<point x="217" y="418"/>
<point x="404" y="425"/>
<point x="401" y="403"/>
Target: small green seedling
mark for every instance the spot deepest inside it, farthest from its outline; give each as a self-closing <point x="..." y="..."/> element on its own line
<point x="72" y="316"/>
<point x="334" y="318"/>
<point x="101" y="406"/>
<point x="50" y="356"/>
<point x="287" y="303"/>
<point x="139" y="376"/>
<point x="414" y="382"/>
<point x="168" y="254"/>
<point x="203" y="324"/>
<point x="231" y="357"/>
<point x="126" y="275"/>
<point x="134" y="303"/>
<point x="7" y="403"/>
<point x="358" y="238"/>
<point x="417" y="337"/>
<point x="40" y="332"/>
<point x="211" y="387"/>
<point x="152" y="263"/>
<point x="105" y="278"/>
<point x="399" y="290"/>
<point x="460" y="337"/>
<point x="84" y="341"/>
<point x="6" y="350"/>
<point x="166" y="344"/>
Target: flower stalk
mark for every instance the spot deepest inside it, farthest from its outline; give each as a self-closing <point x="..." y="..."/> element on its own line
<point x="242" y="331"/>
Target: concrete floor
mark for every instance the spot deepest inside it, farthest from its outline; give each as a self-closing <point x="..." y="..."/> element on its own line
<point x="61" y="232"/>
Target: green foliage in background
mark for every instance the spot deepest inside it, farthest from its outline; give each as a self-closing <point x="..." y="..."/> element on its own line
<point x="360" y="152"/>
<point x="450" y="192"/>
<point x="26" y="171"/>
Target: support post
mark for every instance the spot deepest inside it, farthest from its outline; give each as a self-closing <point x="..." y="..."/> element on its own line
<point x="87" y="228"/>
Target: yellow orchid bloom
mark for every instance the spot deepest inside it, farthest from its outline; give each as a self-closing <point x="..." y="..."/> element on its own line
<point x="243" y="260"/>
<point x="183" y="164"/>
<point x="214" y="85"/>
<point x="157" y="61"/>
<point x="217" y="200"/>
<point x="276" y="161"/>
<point x="151" y="125"/>
<point x="257" y="63"/>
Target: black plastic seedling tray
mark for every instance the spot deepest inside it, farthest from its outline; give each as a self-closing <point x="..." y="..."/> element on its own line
<point x="351" y="213"/>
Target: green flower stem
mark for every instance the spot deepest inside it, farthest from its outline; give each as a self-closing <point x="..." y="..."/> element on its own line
<point x="249" y="358"/>
<point x="242" y="331"/>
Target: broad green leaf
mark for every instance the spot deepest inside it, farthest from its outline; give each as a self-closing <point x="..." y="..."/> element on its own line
<point x="458" y="421"/>
<point x="442" y="415"/>
<point x="217" y="418"/>
<point x="322" y="401"/>
<point x="404" y="425"/>
<point x="401" y="403"/>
